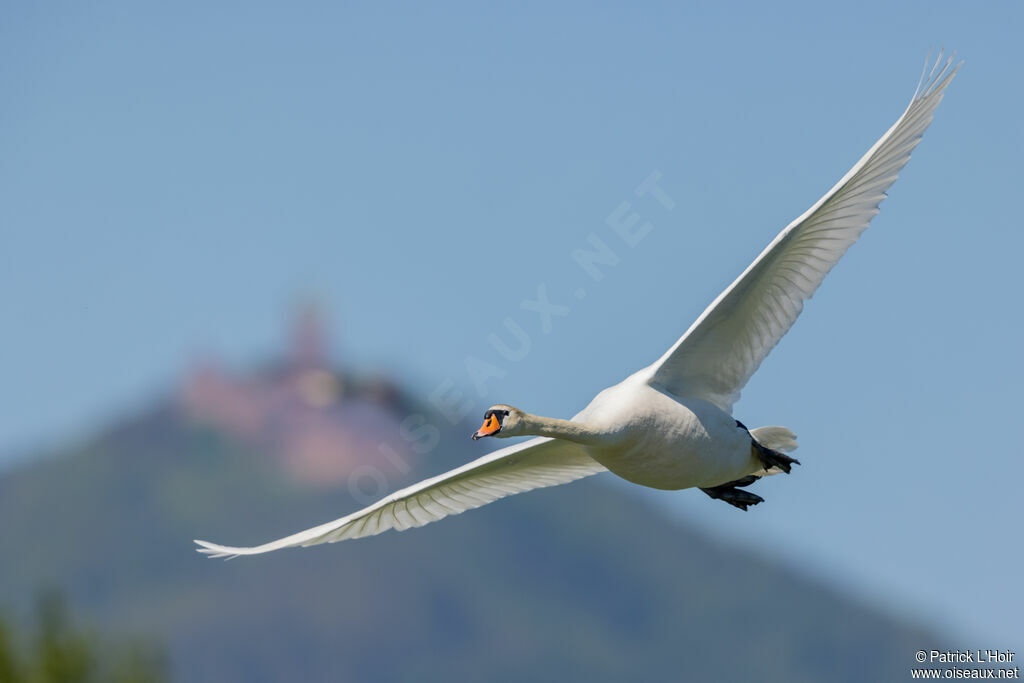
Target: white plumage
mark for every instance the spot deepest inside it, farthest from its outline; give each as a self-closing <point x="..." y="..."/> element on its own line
<point x="727" y="343"/>
<point x="669" y="425"/>
<point x="540" y="462"/>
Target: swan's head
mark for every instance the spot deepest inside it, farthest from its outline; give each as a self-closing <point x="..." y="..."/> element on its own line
<point x="500" y="421"/>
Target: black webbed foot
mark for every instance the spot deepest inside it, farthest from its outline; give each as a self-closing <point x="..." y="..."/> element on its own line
<point x="732" y="494"/>
<point x="772" y="458"/>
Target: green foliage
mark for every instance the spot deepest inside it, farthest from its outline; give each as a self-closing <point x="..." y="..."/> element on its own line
<point x="60" y="653"/>
<point x="8" y="669"/>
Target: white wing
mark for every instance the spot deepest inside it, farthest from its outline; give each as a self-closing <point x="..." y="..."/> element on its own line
<point x="720" y="352"/>
<point x="533" y="464"/>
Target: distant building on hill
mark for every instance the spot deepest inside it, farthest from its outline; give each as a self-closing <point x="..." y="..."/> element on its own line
<point x="300" y="410"/>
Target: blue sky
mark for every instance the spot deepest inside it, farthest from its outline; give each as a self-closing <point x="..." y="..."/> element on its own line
<point x="174" y="178"/>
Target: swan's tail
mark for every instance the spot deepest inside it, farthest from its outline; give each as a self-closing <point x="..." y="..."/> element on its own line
<point x="777" y="439"/>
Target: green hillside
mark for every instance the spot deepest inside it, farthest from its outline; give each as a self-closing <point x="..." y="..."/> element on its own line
<point x="583" y="582"/>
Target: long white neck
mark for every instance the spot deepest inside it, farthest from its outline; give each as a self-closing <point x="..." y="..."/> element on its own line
<point x="580" y="432"/>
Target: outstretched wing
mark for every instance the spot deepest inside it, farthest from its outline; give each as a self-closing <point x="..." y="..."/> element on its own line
<point x="727" y="343"/>
<point x="533" y="464"/>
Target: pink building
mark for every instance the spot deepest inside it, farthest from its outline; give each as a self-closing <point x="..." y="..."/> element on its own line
<point x="300" y="411"/>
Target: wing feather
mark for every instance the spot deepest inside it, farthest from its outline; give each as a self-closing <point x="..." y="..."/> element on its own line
<point x="533" y="464"/>
<point x="716" y="357"/>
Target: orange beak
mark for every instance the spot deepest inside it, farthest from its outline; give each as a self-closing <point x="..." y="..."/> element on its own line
<point x="491" y="426"/>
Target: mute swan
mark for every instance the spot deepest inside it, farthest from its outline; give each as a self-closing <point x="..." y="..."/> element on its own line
<point x="669" y="426"/>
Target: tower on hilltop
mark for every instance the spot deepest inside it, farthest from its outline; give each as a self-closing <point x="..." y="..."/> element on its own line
<point x="308" y="346"/>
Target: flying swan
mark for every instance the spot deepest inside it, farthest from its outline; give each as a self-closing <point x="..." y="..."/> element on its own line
<point x="670" y="425"/>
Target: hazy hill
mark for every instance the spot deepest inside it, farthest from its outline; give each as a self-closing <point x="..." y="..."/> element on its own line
<point x="583" y="582"/>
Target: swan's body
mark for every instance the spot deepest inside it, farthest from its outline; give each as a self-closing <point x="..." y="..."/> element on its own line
<point x="662" y="441"/>
<point x="670" y="425"/>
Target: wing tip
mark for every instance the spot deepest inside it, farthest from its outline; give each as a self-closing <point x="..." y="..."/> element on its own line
<point x="938" y="77"/>
<point x="212" y="550"/>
